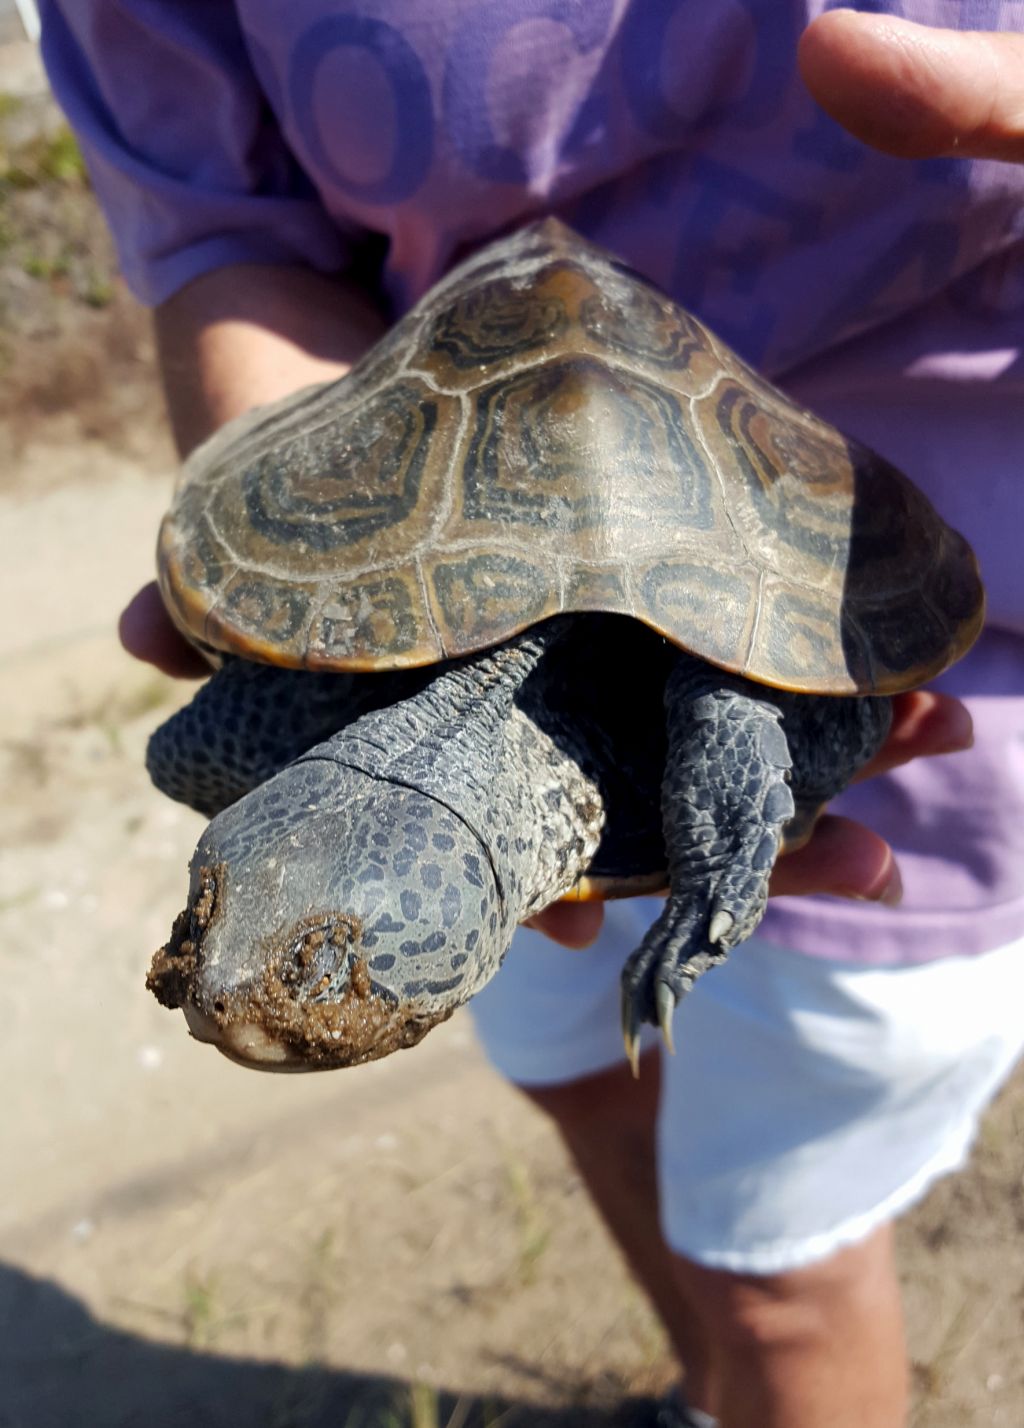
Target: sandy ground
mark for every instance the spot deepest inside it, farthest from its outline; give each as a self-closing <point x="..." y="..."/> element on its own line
<point x="181" y="1241"/>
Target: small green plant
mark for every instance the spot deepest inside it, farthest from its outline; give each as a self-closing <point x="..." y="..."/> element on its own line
<point x="46" y="269"/>
<point x="198" y="1314"/>
<point x="110" y="711"/>
<point x="320" y="1286"/>
<point x="18" y="899"/>
<point x="54" y="158"/>
<point x="61" y="159"/>
<point x="99" y="292"/>
<point x="423" y="1406"/>
<point x="534" y="1233"/>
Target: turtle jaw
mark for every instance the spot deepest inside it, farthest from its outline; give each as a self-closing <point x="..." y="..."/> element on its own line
<point x="246" y="1044"/>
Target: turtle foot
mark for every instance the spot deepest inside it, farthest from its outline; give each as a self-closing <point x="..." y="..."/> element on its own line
<point x="684" y="942"/>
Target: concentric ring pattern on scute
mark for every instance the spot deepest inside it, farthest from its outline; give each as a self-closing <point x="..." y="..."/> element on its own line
<point x="547" y="432"/>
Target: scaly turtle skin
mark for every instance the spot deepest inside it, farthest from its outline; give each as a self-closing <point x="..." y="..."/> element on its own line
<point x="551" y="593"/>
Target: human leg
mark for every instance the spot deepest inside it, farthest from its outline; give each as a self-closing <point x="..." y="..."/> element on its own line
<point x="807" y="1105"/>
<point x="550" y="1022"/>
<point x="832" y="1097"/>
<point x="607" y="1123"/>
<point x="819" y="1345"/>
<point x="794" y="1349"/>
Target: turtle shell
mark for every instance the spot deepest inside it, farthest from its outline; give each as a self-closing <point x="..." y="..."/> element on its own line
<point x="547" y="432"/>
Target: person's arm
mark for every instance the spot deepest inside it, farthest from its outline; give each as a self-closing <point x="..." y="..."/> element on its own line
<point x="233" y="339"/>
<point x="216" y="228"/>
<point x="245" y="335"/>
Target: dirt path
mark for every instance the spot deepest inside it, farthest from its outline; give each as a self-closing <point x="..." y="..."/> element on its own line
<point x="183" y="1242"/>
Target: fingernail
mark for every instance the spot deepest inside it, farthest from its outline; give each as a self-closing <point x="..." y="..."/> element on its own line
<point x="961" y="736"/>
<point x="892" y="893"/>
<point x="957" y="746"/>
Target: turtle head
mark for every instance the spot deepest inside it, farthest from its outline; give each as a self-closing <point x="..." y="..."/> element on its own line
<point x="333" y="917"/>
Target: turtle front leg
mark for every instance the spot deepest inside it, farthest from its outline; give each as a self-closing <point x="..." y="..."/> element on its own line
<point x="734" y="749"/>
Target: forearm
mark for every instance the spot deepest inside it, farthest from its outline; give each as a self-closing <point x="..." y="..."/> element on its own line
<point x="241" y="336"/>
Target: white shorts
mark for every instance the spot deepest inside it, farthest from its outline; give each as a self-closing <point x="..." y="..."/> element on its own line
<point x="808" y="1102"/>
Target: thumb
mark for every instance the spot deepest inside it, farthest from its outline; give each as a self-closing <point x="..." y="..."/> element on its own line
<point x="147" y="633"/>
<point x="918" y="92"/>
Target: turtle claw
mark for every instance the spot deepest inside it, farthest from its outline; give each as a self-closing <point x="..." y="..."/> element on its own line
<point x="675" y="952"/>
<point x="631" y="1032"/>
<point x="722" y="923"/>
<point x="666" y="1003"/>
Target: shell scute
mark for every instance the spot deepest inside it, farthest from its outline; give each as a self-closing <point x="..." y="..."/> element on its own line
<point x="485" y="596"/>
<point x="570" y="445"/>
<point x="260" y="612"/>
<point x="376" y="622"/>
<point x="339" y="486"/>
<point x="495" y="323"/>
<point x="703" y="594"/>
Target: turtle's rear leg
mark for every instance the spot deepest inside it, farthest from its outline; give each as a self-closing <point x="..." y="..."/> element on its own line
<point x="734" y="749"/>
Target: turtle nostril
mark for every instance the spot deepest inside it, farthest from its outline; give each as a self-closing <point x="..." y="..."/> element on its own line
<point x="219" y="1008"/>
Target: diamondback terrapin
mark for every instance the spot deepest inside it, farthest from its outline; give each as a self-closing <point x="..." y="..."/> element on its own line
<point x="551" y="595"/>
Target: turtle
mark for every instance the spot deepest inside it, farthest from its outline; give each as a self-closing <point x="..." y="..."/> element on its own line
<point x="552" y="596"/>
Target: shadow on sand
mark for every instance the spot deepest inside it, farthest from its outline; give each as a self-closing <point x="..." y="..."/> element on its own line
<point x="62" y="1368"/>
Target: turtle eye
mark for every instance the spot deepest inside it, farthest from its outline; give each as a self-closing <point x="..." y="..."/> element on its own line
<point x="316" y="963"/>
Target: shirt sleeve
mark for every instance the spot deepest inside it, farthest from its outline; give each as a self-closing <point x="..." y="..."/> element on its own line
<point x="183" y="149"/>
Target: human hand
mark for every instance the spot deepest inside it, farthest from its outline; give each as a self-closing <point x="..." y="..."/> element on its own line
<point x="842" y="858"/>
<point x="147" y="632"/>
<point x="918" y="92"/>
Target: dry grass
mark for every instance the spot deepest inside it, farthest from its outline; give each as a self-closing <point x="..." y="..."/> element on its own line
<point x="76" y="352"/>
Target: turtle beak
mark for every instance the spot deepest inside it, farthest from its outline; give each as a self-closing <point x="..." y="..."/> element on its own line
<point x="245" y="1043"/>
<point x="273" y="995"/>
<point x="182" y="976"/>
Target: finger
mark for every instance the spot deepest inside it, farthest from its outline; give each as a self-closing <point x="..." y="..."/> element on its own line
<point x="844" y="859"/>
<point x="147" y="632"/>
<point x="925" y="723"/>
<point x="918" y="92"/>
<point x="573" y="924"/>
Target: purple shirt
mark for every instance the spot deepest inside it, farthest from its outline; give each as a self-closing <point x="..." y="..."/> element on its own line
<point x="887" y="295"/>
